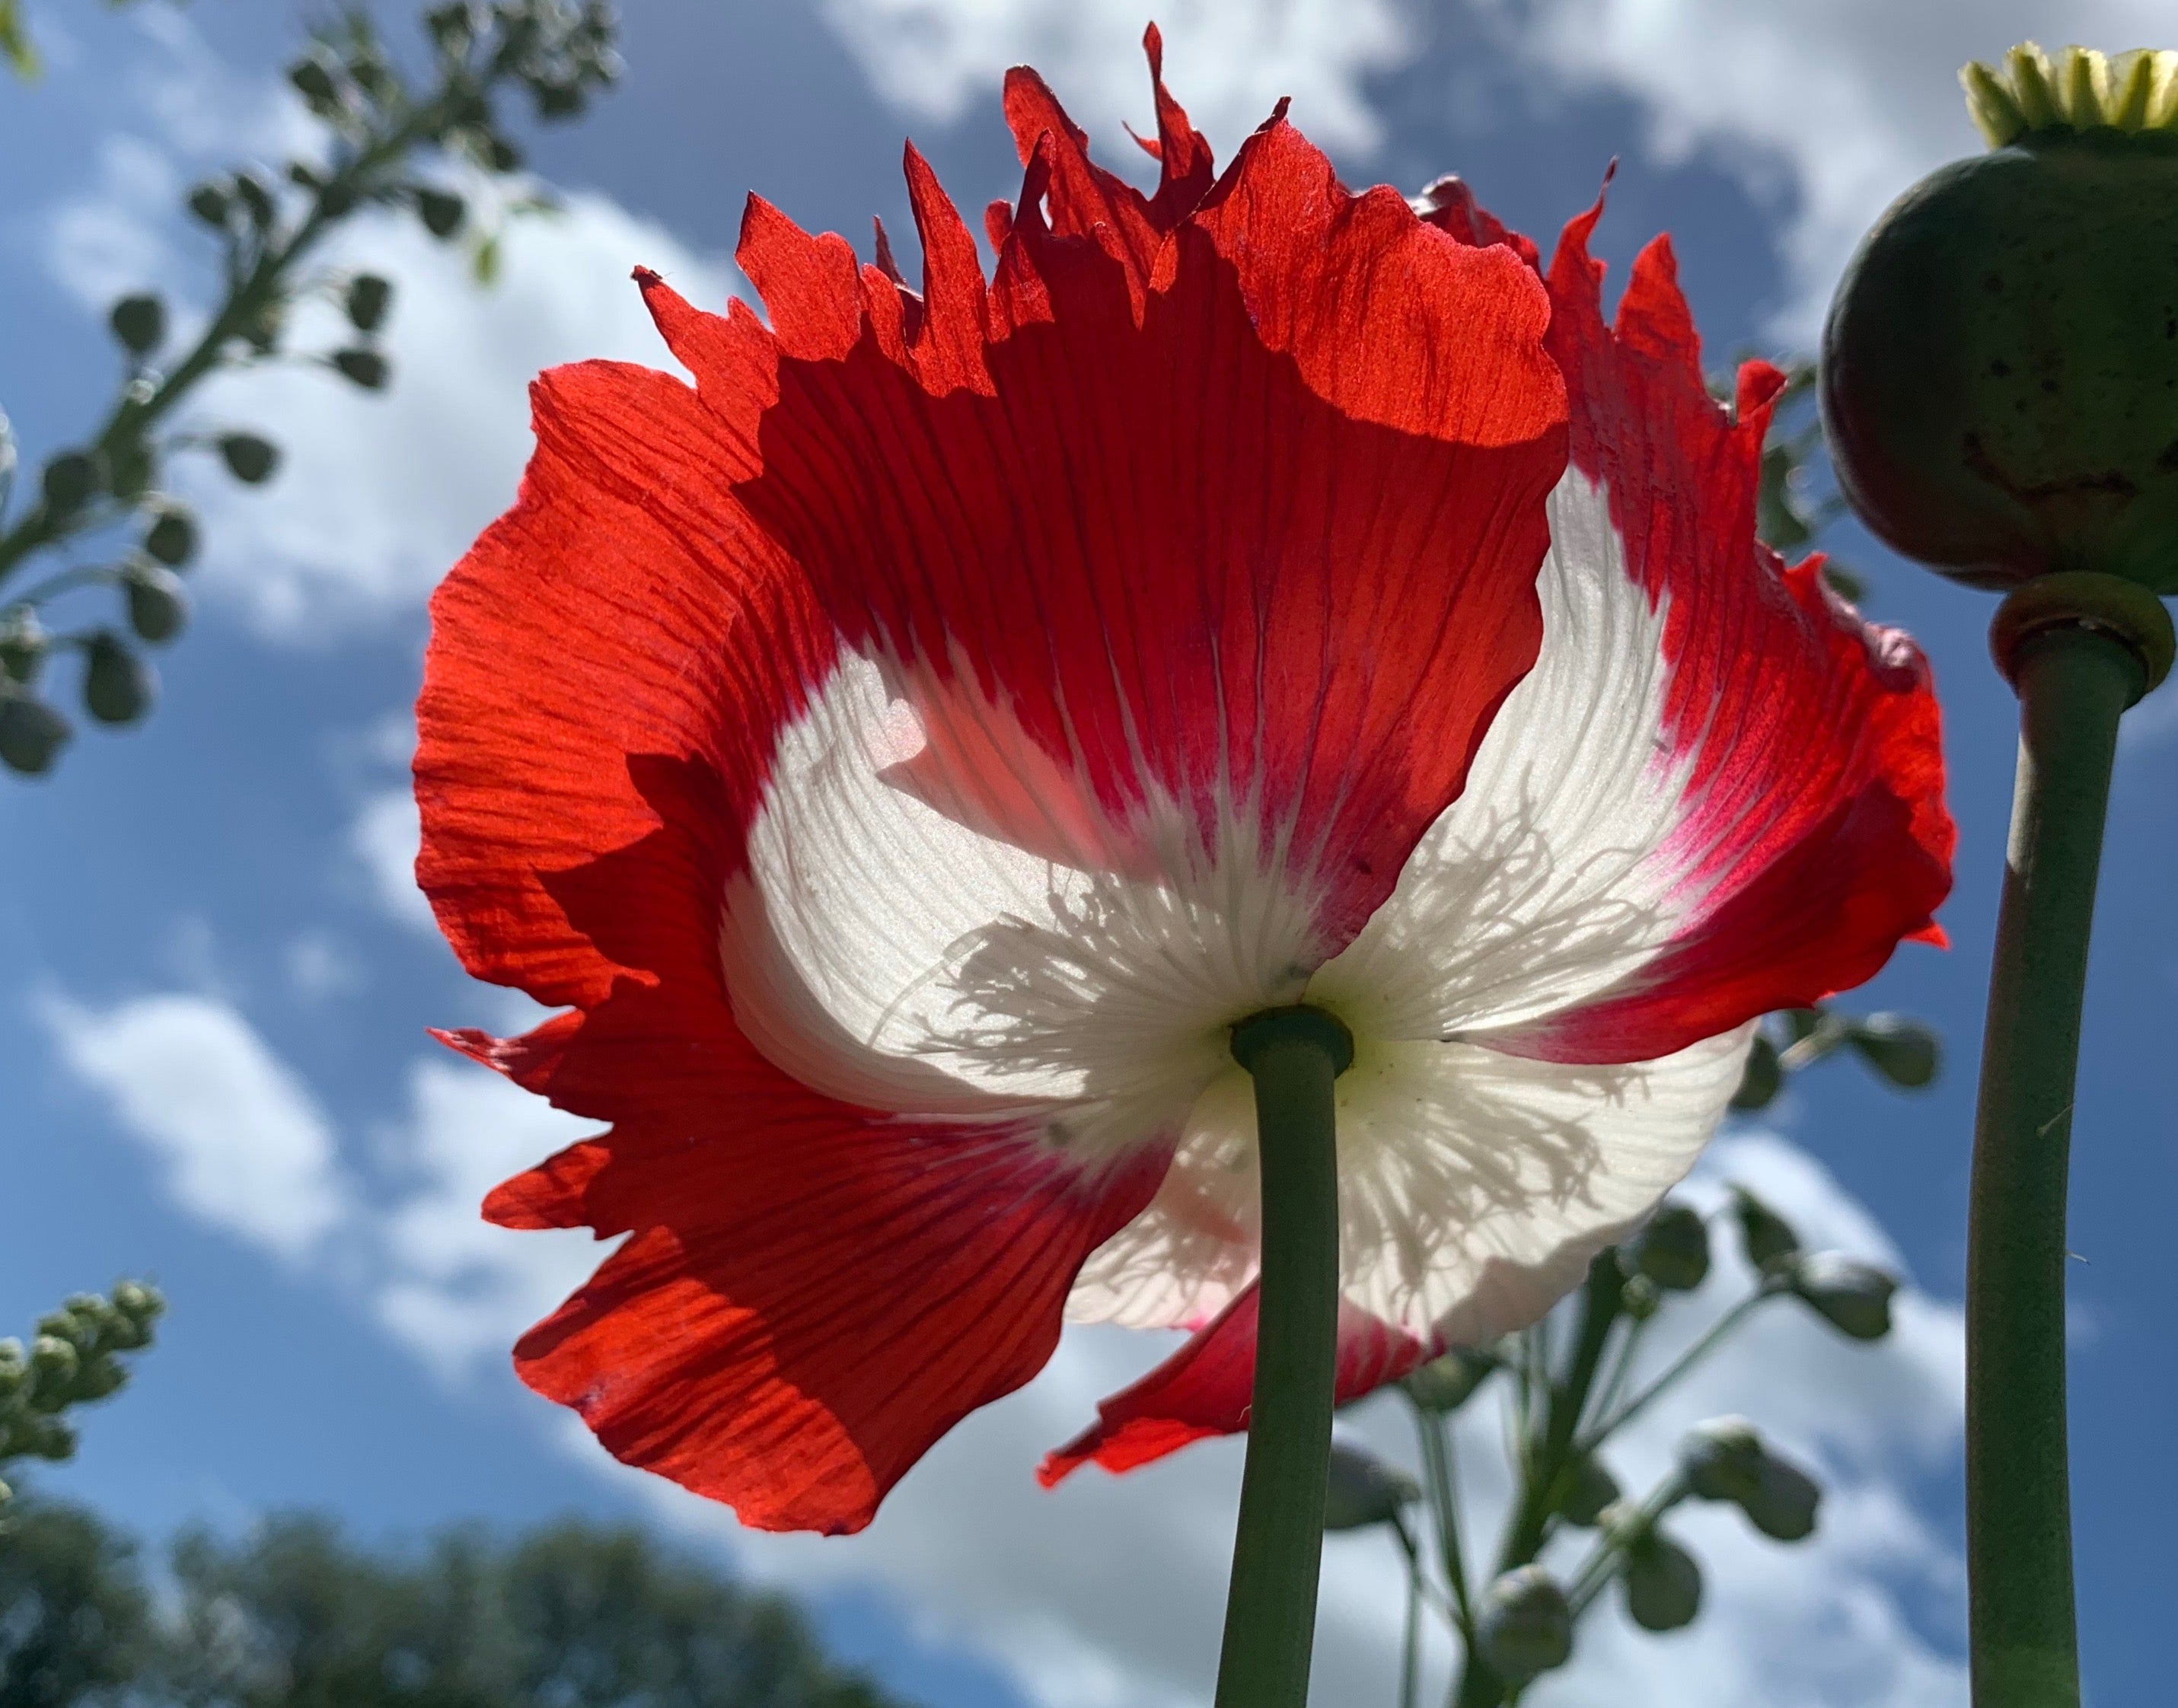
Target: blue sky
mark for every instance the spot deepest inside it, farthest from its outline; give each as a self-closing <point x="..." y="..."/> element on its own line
<point x="218" y="976"/>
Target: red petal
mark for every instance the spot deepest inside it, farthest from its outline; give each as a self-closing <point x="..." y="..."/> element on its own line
<point x="603" y="616"/>
<point x="1206" y="1386"/>
<point x="1223" y="548"/>
<point x="810" y="1295"/>
<point x="1816" y="835"/>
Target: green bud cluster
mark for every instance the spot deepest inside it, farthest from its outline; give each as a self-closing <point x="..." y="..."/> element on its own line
<point x="74" y="1358"/>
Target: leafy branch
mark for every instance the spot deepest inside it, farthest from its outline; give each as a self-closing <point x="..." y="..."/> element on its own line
<point x="381" y="127"/>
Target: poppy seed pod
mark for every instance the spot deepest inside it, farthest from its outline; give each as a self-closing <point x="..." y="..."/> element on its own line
<point x="2000" y="359"/>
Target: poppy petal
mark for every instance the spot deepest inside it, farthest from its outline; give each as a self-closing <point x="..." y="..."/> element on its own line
<point x="1719" y="792"/>
<point x="1474" y="1186"/>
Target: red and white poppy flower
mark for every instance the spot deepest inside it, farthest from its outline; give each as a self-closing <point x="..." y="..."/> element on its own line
<point x="906" y="753"/>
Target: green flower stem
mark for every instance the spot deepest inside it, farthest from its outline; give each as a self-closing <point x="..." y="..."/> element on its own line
<point x="1708" y="1343"/>
<point x="1598" y="1569"/>
<point x="1411" y="1636"/>
<point x="1440" y="1477"/>
<point x="1552" y="1456"/>
<point x="1295" y="1055"/>
<point x="2074" y="681"/>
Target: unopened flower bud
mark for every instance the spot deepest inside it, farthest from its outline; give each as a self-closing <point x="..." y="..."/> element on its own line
<point x="22" y="646"/>
<point x="1639" y="1298"/>
<point x="256" y="196"/>
<point x="119" y="687"/>
<point x="1525" y="1625"/>
<point x="69" y="481"/>
<point x="1853" y="1296"/>
<point x="248" y="459"/>
<point x="317" y="79"/>
<point x="1767" y="1236"/>
<point x="1903" y="1051"/>
<point x="441" y="213"/>
<point x="35" y="1435"/>
<point x="158" y="606"/>
<point x="1362" y="1489"/>
<point x="1722" y="1459"/>
<point x="1761" y="1078"/>
<point x="368" y="298"/>
<point x="54" y="1362"/>
<point x="210" y="202"/>
<point x="1590" y="1491"/>
<point x="1672" y="1249"/>
<point x="140" y="1304"/>
<point x="1446" y="1384"/>
<point x="31" y="733"/>
<point x="172" y="538"/>
<point x="139" y="322"/>
<point x="1785" y="1500"/>
<point x="1663" y="1584"/>
<point x="364" y="368"/>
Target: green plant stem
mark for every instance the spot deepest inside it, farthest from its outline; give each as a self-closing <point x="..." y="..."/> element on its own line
<point x="1295" y="1056"/>
<point x="1440" y="1478"/>
<point x="2074" y="682"/>
<point x="1549" y="1452"/>
<point x="1597" y="1570"/>
<point x="1410" y="1637"/>
<point x="1680" y="1365"/>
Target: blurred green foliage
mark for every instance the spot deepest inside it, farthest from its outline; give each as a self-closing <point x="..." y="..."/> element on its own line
<point x="294" y="1615"/>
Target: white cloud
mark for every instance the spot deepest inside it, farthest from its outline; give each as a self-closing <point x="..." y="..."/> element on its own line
<point x="1843" y="104"/>
<point x="455" y="1289"/>
<point x="246" y="1147"/>
<point x="384" y="836"/>
<point x="378" y="494"/>
<point x="1228" y="60"/>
